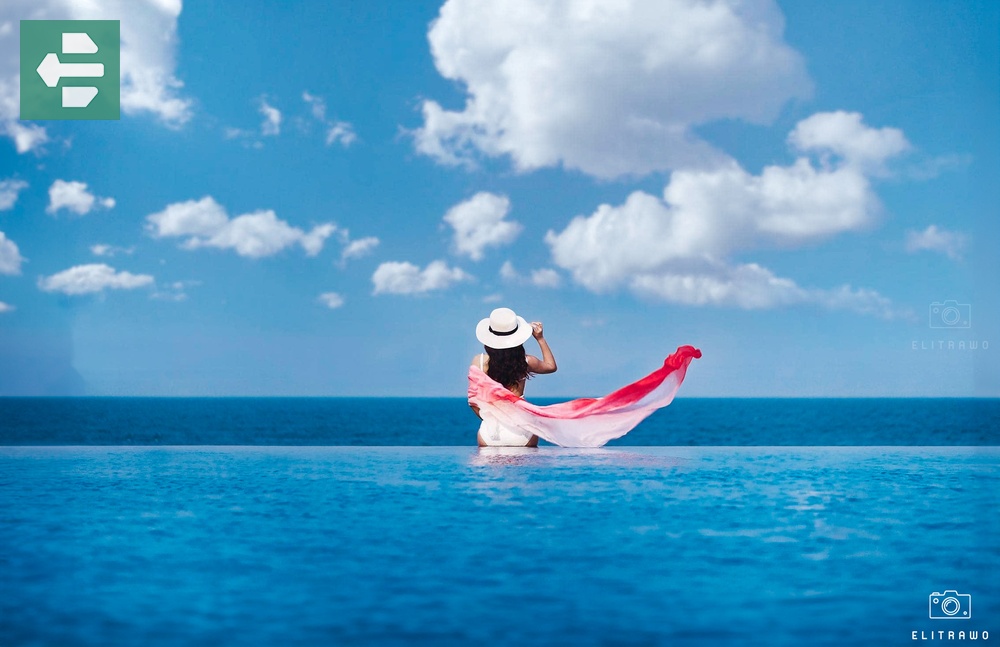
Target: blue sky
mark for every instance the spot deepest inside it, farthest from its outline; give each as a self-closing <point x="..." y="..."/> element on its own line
<point x="324" y="198"/>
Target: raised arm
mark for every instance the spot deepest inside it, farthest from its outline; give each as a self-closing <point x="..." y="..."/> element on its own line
<point x="548" y="362"/>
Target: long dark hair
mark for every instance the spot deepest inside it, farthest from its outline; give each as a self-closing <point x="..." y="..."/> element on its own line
<point x="508" y="366"/>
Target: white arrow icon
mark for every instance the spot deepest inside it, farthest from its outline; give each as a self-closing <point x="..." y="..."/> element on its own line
<point x="78" y="43"/>
<point x="51" y="69"/>
<point x="78" y="96"/>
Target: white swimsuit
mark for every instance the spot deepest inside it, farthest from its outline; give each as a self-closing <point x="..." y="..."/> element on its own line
<point x="495" y="434"/>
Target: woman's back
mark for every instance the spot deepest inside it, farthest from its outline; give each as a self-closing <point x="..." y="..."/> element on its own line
<point x="516" y="388"/>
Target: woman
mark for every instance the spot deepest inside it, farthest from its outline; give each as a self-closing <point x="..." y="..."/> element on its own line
<point x="503" y="335"/>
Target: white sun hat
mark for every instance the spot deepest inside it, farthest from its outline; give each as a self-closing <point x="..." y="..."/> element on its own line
<point x="503" y="329"/>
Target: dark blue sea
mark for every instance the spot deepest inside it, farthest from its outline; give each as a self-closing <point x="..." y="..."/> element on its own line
<point x="449" y="422"/>
<point x="378" y="522"/>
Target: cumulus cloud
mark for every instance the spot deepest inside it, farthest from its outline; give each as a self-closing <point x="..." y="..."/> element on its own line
<point x="260" y="234"/>
<point x="678" y="247"/>
<point x="845" y="134"/>
<point x="91" y="278"/>
<point x="479" y="223"/>
<point x="10" y="256"/>
<point x="406" y="278"/>
<point x="935" y="239"/>
<point x="331" y="300"/>
<point x="335" y="132"/>
<point x="271" y="125"/>
<point x="610" y="88"/>
<point x="9" y="190"/>
<point x="205" y="223"/>
<point x="148" y="59"/>
<point x="6" y="307"/>
<point x="74" y="197"/>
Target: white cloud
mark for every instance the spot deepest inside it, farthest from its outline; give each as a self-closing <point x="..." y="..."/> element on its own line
<point x="752" y="287"/>
<point x="337" y="132"/>
<point x="313" y="241"/>
<point x="258" y="234"/>
<point x="406" y="278"/>
<point x="678" y="247"/>
<point x="74" y="196"/>
<point x="317" y="106"/>
<point x="9" y="190"/>
<point x="710" y="214"/>
<point x="148" y="59"/>
<point x="271" y="125"/>
<point x="545" y="277"/>
<point x="10" y="256"/>
<point x="331" y="300"/>
<point x="844" y="134"/>
<point x="508" y="273"/>
<point x="610" y="88"/>
<point x="198" y="218"/>
<point x="204" y="223"/>
<point x="747" y="286"/>
<point x="26" y="136"/>
<point x="6" y="307"/>
<point x="101" y="249"/>
<point x="933" y="239"/>
<point x="340" y="132"/>
<point x="94" y="277"/>
<point x="149" y="45"/>
<point x="479" y="223"/>
<point x="359" y="248"/>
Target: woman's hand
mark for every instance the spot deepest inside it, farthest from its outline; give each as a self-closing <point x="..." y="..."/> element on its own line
<point x="548" y="363"/>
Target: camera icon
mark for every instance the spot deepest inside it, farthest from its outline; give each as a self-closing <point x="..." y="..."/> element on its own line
<point x="950" y="314"/>
<point x="950" y="605"/>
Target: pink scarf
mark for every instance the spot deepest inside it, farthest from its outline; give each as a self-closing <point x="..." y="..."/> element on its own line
<point x="586" y="422"/>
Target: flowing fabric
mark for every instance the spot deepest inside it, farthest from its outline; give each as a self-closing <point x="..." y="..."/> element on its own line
<point x="586" y="422"/>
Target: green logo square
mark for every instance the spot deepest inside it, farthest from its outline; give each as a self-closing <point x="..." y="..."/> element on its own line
<point x="70" y="69"/>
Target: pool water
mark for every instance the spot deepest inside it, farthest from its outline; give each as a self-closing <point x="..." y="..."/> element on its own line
<point x="264" y="545"/>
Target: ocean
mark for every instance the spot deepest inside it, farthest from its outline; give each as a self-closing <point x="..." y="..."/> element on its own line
<point x="450" y="422"/>
<point x="378" y="522"/>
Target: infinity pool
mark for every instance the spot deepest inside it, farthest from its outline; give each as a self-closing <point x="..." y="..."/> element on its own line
<point x="458" y="546"/>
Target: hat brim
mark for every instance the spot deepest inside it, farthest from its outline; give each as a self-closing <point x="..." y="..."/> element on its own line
<point x="521" y="335"/>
